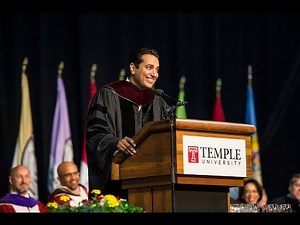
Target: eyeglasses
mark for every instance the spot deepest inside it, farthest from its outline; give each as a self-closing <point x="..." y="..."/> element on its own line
<point x="69" y="175"/>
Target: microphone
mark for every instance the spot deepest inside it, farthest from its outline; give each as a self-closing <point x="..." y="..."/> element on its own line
<point x="161" y="93"/>
<point x="170" y="110"/>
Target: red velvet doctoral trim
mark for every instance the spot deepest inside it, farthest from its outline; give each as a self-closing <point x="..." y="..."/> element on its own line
<point x="127" y="90"/>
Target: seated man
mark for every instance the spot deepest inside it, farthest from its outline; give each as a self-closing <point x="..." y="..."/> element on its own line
<point x="293" y="195"/>
<point x="18" y="199"/>
<point x="69" y="179"/>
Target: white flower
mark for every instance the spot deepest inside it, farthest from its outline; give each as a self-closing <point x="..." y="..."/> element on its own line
<point x="102" y="202"/>
<point x="73" y="203"/>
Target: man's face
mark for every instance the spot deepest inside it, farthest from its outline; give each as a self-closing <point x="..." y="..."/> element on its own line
<point x="146" y="75"/>
<point x="20" y="180"/>
<point x="69" y="176"/>
<point x="295" y="190"/>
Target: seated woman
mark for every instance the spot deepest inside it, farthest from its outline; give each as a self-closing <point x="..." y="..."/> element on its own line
<point x="251" y="192"/>
<point x="252" y="195"/>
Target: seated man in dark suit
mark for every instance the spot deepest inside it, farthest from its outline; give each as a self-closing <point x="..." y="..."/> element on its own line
<point x="293" y="196"/>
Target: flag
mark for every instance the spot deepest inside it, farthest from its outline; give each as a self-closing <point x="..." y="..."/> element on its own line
<point x="250" y="118"/>
<point x="180" y="110"/>
<point x="219" y="115"/>
<point x="61" y="142"/>
<point x="84" y="178"/>
<point x="218" y="112"/>
<point x="25" y="151"/>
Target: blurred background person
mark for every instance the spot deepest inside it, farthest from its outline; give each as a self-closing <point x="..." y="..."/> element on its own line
<point x="293" y="195"/>
<point x="252" y="193"/>
<point x="69" y="178"/>
<point x="18" y="199"/>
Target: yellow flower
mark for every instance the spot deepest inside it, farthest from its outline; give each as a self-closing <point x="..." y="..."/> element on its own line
<point x="96" y="191"/>
<point x="112" y="201"/>
<point x="97" y="203"/>
<point x="52" y="205"/>
<point x="64" y="198"/>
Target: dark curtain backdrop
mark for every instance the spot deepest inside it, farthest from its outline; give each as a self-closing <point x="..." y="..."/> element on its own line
<point x="202" y="46"/>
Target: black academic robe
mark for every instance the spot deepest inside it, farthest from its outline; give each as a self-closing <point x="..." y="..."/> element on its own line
<point x="117" y="110"/>
<point x="288" y="199"/>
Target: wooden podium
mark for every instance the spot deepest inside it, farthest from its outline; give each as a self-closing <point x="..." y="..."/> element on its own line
<point x="155" y="176"/>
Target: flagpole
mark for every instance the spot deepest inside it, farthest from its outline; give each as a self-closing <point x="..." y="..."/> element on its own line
<point x="93" y="72"/>
<point x="218" y="112"/>
<point x="24" y="66"/>
<point x="122" y="74"/>
<point x="249" y="72"/>
<point x="60" y="68"/>
<point x="218" y="86"/>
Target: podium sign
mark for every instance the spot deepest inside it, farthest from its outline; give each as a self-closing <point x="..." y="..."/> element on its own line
<point x="214" y="156"/>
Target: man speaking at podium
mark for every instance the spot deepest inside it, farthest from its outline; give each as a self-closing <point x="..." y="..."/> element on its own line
<point x="118" y="111"/>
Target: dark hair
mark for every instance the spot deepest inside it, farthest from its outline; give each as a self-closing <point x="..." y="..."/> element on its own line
<point x="257" y="185"/>
<point x="136" y="55"/>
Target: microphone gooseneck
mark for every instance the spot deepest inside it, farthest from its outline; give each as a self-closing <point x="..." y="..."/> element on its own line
<point x="161" y="93"/>
<point x="170" y="113"/>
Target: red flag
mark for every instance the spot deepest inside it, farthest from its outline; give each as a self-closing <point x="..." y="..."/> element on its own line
<point x="84" y="178"/>
<point x="218" y="113"/>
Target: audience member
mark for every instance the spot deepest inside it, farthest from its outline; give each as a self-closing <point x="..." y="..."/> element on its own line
<point x="18" y="199"/>
<point x="69" y="179"/>
<point x="293" y="195"/>
<point x="251" y="192"/>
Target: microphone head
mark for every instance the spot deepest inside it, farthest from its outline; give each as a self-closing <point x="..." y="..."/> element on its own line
<point x="159" y="92"/>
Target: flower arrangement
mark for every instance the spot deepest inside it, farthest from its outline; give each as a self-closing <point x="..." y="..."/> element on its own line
<point x="97" y="203"/>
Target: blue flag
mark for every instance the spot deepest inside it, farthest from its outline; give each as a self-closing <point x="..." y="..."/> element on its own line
<point x="251" y="119"/>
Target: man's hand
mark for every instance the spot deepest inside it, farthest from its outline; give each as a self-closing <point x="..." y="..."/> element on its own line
<point x="127" y="145"/>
